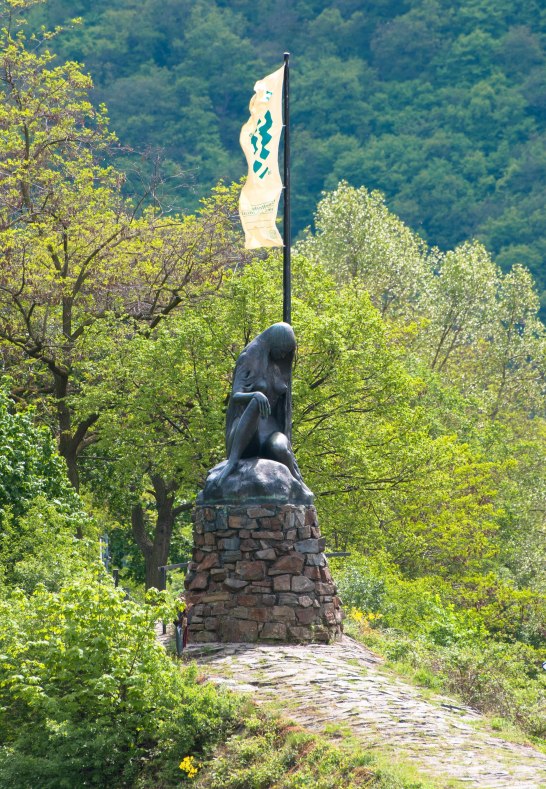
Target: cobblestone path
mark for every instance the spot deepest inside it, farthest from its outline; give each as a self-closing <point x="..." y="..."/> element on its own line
<point x="346" y="684"/>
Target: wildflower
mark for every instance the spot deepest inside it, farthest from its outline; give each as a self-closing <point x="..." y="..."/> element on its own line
<point x="189" y="766"/>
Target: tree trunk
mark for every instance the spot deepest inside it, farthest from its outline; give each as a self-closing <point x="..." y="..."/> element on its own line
<point x="70" y="441"/>
<point x="66" y="447"/>
<point x="156" y="550"/>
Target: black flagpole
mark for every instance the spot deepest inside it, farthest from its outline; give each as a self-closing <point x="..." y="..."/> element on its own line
<point x="287" y="299"/>
<point x="287" y="284"/>
<point x="286" y="273"/>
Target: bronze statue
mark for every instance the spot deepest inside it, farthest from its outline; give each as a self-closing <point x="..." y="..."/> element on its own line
<point x="257" y="416"/>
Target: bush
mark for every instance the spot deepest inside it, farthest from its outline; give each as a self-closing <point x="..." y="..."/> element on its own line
<point x="40" y="547"/>
<point x="440" y="635"/>
<point x="89" y="698"/>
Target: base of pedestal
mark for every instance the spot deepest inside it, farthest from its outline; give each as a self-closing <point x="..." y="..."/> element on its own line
<point x="259" y="574"/>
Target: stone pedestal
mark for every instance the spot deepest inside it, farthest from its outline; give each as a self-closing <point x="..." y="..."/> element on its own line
<point x="259" y="574"/>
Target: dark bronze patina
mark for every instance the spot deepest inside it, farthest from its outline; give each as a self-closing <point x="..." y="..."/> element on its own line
<point x="257" y="421"/>
<point x="260" y="465"/>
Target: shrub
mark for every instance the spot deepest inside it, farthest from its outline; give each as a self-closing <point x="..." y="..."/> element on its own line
<point x="89" y="698"/>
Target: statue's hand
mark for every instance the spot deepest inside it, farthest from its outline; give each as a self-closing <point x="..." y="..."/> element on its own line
<point x="263" y="404"/>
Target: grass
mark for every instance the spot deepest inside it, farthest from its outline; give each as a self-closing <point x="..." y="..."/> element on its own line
<point x="268" y="752"/>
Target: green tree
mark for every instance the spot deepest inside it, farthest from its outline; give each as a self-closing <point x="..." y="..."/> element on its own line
<point x="74" y="249"/>
<point x="366" y="445"/>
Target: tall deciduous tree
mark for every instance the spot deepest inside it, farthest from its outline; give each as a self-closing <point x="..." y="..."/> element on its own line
<point x="382" y="472"/>
<point x="73" y="249"/>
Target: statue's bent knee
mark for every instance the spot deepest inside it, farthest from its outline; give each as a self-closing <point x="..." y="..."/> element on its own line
<point x="278" y="446"/>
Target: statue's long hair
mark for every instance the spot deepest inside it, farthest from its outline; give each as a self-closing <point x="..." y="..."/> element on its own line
<point x="253" y="371"/>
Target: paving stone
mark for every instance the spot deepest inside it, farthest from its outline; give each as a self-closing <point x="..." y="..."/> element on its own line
<point x="347" y="684"/>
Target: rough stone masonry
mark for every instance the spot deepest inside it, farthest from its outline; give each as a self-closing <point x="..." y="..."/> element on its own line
<point x="259" y="574"/>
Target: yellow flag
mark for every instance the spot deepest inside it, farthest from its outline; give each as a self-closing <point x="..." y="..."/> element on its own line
<point x="260" y="136"/>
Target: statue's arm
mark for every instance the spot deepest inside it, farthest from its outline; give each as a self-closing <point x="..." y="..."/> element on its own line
<point x="258" y="397"/>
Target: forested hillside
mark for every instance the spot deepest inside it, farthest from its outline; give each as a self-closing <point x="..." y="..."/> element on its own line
<point x="440" y="105"/>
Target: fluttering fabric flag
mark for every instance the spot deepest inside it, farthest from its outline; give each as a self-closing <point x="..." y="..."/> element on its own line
<point x="260" y="136"/>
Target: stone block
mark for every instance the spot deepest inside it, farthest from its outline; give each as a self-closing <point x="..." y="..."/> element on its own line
<point x="304" y="532"/>
<point x="203" y="637"/>
<point x="310" y="546"/>
<point x="215" y="597"/>
<point x="315" y="559"/>
<point x="199" y="581"/>
<point x="305" y="616"/>
<point x="231" y="556"/>
<point x="281" y="583"/>
<point x="235" y="583"/>
<point x="284" y="613"/>
<point x="258" y="614"/>
<point x="300" y="583"/>
<point x="209" y="561"/>
<point x="291" y="563"/>
<point x="266" y="554"/>
<point x="267" y="535"/>
<point x="249" y="545"/>
<point x="312" y="572"/>
<point x="260" y="512"/>
<point x="300" y="634"/>
<point x="238" y="630"/>
<point x="274" y="631"/>
<point x="305" y="601"/>
<point x="288" y="599"/>
<point x="250" y="571"/>
<point x="325" y="589"/>
<point x="270" y="524"/>
<point x="230" y="544"/>
<point x="262" y="586"/>
<point x="311" y="516"/>
<point x="248" y="600"/>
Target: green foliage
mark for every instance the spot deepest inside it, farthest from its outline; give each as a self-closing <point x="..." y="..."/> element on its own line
<point x="41" y="546"/>
<point x="40" y="514"/>
<point x="441" y="107"/>
<point x="362" y="438"/>
<point x="29" y="463"/>
<point x="88" y="696"/>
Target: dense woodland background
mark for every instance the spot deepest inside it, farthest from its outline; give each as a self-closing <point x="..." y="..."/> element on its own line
<point x="419" y="418"/>
<point x="440" y="105"/>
